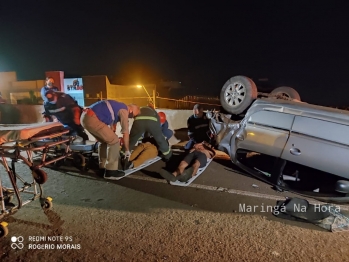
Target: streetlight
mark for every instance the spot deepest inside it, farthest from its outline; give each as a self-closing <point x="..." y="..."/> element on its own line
<point x="151" y="98"/>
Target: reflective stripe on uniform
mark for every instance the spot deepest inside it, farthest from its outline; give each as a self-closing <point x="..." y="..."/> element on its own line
<point x="167" y="152"/>
<point x="146" y="118"/>
<point x="199" y="126"/>
<point x="52" y="111"/>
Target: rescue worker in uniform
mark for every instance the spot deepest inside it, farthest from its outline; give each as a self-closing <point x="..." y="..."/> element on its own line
<point x="100" y="120"/>
<point x="148" y="148"/>
<point x="148" y="121"/>
<point x="49" y="85"/>
<point x="198" y="127"/>
<point x="66" y="110"/>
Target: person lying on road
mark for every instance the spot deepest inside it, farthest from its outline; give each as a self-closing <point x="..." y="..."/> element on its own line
<point x="197" y="158"/>
<point x="143" y="152"/>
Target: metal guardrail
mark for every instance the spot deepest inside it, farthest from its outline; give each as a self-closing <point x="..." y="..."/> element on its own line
<point x="186" y="101"/>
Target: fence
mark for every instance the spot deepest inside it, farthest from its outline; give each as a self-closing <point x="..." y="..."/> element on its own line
<point x="162" y="102"/>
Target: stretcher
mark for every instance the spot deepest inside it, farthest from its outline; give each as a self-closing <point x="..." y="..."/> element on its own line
<point x="132" y="170"/>
<point x="82" y="152"/>
<point x="188" y="182"/>
<point x="19" y="143"/>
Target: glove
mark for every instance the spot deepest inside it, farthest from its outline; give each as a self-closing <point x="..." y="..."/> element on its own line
<point x="127" y="154"/>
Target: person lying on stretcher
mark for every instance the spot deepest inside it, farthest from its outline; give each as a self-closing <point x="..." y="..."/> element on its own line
<point x="143" y="152"/>
<point x="197" y="158"/>
<point x="66" y="110"/>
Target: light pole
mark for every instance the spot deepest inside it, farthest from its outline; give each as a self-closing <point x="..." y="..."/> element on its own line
<point x="154" y="93"/>
<point x="154" y="97"/>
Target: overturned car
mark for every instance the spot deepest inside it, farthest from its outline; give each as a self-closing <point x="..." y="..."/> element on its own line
<point x="294" y="146"/>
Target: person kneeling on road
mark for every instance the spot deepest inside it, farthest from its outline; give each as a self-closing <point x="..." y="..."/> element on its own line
<point x="148" y="121"/>
<point x="197" y="158"/>
<point x="66" y="110"/>
<point x="100" y="120"/>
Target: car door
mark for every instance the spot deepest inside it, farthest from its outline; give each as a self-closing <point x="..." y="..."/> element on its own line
<point x="319" y="144"/>
<point x="264" y="132"/>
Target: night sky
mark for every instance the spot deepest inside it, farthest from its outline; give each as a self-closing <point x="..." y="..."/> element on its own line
<point x="302" y="44"/>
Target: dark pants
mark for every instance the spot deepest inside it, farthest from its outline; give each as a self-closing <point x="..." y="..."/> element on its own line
<point x="189" y="145"/>
<point x="168" y="133"/>
<point x="77" y="130"/>
<point x="196" y="155"/>
<point x="141" y="126"/>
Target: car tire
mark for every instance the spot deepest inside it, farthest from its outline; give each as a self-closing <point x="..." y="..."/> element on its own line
<point x="286" y="91"/>
<point x="237" y="94"/>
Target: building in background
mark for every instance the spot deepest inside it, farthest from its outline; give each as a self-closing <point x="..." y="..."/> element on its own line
<point x="87" y="90"/>
<point x="75" y="88"/>
<point x="98" y="87"/>
<point x="15" y="91"/>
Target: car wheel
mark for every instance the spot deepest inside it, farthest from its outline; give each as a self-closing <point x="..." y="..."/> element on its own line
<point x="237" y="94"/>
<point x="286" y="91"/>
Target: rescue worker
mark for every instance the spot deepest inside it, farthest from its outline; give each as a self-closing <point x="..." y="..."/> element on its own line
<point x="148" y="148"/>
<point x="66" y="110"/>
<point x="100" y="120"/>
<point x="164" y="126"/>
<point x="148" y="121"/>
<point x="198" y="127"/>
<point x="49" y="85"/>
<point x="168" y="133"/>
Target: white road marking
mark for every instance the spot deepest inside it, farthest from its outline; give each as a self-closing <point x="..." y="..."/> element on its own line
<point x="226" y="190"/>
<point x="233" y="191"/>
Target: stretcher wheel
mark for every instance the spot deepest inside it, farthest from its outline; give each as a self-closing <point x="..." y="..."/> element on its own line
<point x="3" y="229"/>
<point x="40" y="176"/>
<point x="79" y="161"/>
<point x="47" y="204"/>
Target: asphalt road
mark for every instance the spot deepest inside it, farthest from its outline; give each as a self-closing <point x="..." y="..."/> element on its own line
<point x="143" y="218"/>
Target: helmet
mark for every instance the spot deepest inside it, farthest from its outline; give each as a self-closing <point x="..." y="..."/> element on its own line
<point x="162" y="117"/>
